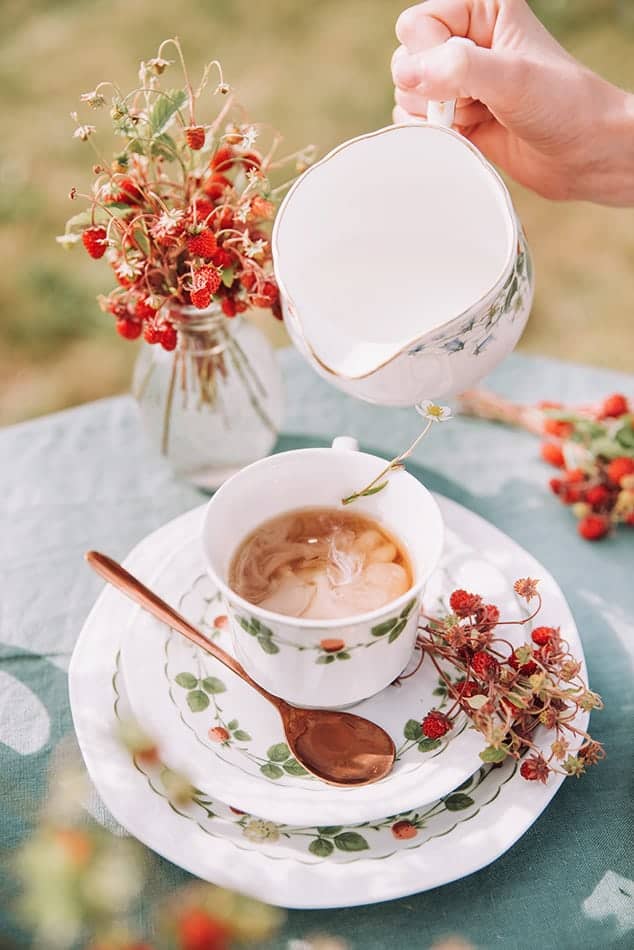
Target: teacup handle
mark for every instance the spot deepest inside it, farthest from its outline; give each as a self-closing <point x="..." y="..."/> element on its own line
<point x="345" y="443"/>
<point x="442" y="112"/>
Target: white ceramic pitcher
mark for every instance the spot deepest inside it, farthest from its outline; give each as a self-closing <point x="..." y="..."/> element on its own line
<point x="403" y="270"/>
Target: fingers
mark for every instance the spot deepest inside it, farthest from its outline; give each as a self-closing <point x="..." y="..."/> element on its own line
<point x="457" y="70"/>
<point x="429" y="24"/>
<point x="468" y="112"/>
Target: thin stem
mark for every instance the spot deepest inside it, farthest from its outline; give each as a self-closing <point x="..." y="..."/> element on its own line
<point x="396" y="463"/>
<point x="167" y="415"/>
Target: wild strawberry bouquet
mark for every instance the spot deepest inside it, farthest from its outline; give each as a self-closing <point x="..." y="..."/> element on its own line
<point x="592" y="446"/>
<point x="510" y="692"/>
<point x="182" y="212"/>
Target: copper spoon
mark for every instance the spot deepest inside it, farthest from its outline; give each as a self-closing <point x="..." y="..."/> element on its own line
<point x="338" y="747"/>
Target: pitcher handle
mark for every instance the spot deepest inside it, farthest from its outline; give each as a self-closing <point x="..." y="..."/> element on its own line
<point x="442" y="112"/>
<point x="345" y="443"/>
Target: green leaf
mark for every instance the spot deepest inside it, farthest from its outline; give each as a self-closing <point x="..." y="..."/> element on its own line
<point x="373" y="491"/>
<point x="164" y="145"/>
<point x="412" y="730"/>
<point x="426" y="745"/>
<point x="164" y="110"/>
<point x="294" y="768"/>
<point x="397" y="631"/>
<point x="343" y="655"/>
<point x="279" y="752"/>
<point x="241" y="735"/>
<point x="213" y="685"/>
<point x="79" y="221"/>
<point x="491" y="754"/>
<point x="186" y="680"/>
<point x="227" y="276"/>
<point x="625" y="436"/>
<point x="325" y="658"/>
<point x="140" y="238"/>
<point x="246" y="626"/>
<point x="321" y="848"/>
<point x="197" y="700"/>
<point x="350" y="841"/>
<point x="232" y="725"/>
<point x="329" y="829"/>
<point x="608" y="448"/>
<point x="385" y="627"/>
<point x="476" y="702"/>
<point x="271" y="771"/>
<point x="458" y="802"/>
<point x="267" y="645"/>
<point x="407" y="609"/>
<point x="517" y="700"/>
<point x="439" y="691"/>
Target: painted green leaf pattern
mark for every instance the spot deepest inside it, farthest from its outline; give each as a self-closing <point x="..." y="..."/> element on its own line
<point x="351" y="841"/>
<point x="186" y="680"/>
<point x="394" y="627"/>
<point x="197" y="700"/>
<point x="212" y="684"/>
<point x="271" y="770"/>
<point x="267" y="645"/>
<point x="241" y="735"/>
<point x="292" y="767"/>
<point x="412" y="730"/>
<point x="458" y="802"/>
<point x="321" y="847"/>
<point x="279" y="752"/>
<point x="427" y="745"/>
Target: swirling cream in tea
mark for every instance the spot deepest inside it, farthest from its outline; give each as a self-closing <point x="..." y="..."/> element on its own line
<point x="320" y="563"/>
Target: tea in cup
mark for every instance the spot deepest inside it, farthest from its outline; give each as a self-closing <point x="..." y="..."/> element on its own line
<point x="323" y="598"/>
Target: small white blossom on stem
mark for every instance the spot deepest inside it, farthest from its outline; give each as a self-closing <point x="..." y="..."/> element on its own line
<point x="432" y="411"/>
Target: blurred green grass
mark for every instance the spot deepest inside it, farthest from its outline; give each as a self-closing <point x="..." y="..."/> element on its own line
<point x="320" y="73"/>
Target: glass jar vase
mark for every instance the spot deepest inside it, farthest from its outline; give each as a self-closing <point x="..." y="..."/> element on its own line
<point x="213" y="404"/>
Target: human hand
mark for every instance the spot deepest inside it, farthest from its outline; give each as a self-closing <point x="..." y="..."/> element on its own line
<point x="530" y="107"/>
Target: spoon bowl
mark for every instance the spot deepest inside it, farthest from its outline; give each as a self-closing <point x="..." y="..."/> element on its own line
<point x="337" y="747"/>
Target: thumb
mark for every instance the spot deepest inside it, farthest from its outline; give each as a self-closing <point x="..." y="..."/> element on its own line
<point x="458" y="69"/>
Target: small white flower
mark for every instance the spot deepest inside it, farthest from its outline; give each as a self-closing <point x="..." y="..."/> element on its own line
<point x="94" y="99"/>
<point x="259" y="830"/>
<point x="130" y="267"/>
<point x="433" y="412"/>
<point x="68" y="240"/>
<point x="249" y="135"/>
<point x="243" y="212"/>
<point x="84" y="132"/>
<point x="252" y="248"/>
<point x="166" y="223"/>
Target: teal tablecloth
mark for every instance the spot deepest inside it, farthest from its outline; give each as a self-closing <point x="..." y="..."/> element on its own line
<point x="84" y="478"/>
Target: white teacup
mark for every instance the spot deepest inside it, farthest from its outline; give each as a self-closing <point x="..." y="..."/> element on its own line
<point x="325" y="663"/>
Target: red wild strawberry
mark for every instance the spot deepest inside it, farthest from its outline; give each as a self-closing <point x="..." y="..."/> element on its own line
<point x="574" y="476"/>
<point x="543" y="635"/>
<point x="222" y="159"/>
<point x="435" y="724"/>
<point x="251" y="160"/>
<point x="463" y="603"/>
<point x="225" y="218"/>
<point x="487" y="617"/>
<point x="467" y="689"/>
<point x="535" y="769"/>
<point x="202" y="243"/>
<point x="169" y="337"/>
<point x="614" y="406"/>
<point x="216" y="186"/>
<point x="556" y="485"/>
<point x="152" y="332"/>
<point x="129" y="193"/>
<point x="526" y="669"/>
<point x="142" y="309"/>
<point x="95" y="241"/>
<point x="218" y="734"/>
<point x="199" y="931"/>
<point x="597" y="496"/>
<point x="210" y="275"/>
<point x="551" y="453"/>
<point x="200" y="298"/>
<point x="201" y="209"/>
<point x="562" y="430"/>
<point x="570" y="495"/>
<point x="248" y="279"/>
<point x="222" y="258"/>
<point x="129" y="328"/>
<point x="593" y="527"/>
<point x="485" y="666"/>
<point x="404" y="830"/>
<point x="261" y="208"/>
<point x="195" y="136"/>
<point x="619" y="468"/>
<point x="228" y="306"/>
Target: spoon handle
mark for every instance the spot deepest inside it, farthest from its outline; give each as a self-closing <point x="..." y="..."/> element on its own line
<point x="117" y="575"/>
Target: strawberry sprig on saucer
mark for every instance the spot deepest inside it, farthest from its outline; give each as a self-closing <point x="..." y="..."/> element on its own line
<point x="511" y="693"/>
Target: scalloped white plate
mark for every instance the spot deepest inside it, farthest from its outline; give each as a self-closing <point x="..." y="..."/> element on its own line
<point x="283" y="863"/>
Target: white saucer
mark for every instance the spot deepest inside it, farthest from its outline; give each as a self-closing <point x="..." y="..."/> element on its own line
<point x="357" y="865"/>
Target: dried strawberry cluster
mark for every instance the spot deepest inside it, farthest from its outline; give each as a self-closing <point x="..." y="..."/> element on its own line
<point x="595" y="451"/>
<point x="183" y="214"/>
<point x="508" y="692"/>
